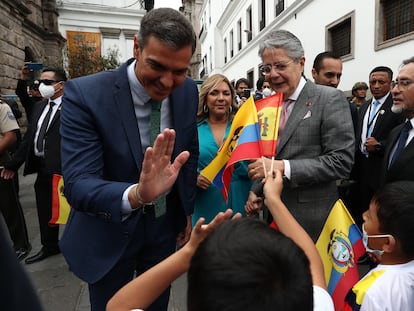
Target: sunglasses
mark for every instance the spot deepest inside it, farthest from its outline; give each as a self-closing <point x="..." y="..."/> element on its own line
<point x="48" y="82"/>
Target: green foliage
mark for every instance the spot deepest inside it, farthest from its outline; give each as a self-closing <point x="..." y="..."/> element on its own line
<point x="84" y="60"/>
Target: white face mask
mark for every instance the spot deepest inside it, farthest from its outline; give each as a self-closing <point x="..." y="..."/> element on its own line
<point x="47" y="91"/>
<point x="266" y="92"/>
<point x="365" y="237"/>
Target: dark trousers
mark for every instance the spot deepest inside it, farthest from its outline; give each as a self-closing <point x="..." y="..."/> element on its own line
<point x="367" y="176"/>
<point x="13" y="215"/>
<point x="49" y="234"/>
<point x="153" y="240"/>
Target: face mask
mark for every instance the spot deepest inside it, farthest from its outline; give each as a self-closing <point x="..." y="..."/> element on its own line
<point x="365" y="237"/>
<point x="47" y="91"/>
<point x="267" y="92"/>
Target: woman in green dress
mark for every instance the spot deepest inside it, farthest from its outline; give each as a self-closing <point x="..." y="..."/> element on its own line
<point x="215" y="113"/>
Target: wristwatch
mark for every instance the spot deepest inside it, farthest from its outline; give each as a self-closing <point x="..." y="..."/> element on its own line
<point x="378" y="147"/>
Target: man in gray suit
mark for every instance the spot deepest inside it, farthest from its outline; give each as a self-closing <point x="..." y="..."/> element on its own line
<point x="316" y="138"/>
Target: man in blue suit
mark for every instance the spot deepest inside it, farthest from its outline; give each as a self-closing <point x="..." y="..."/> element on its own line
<point x="114" y="230"/>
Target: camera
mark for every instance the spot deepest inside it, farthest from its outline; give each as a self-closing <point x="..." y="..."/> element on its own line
<point x="35" y="66"/>
<point x="246" y="93"/>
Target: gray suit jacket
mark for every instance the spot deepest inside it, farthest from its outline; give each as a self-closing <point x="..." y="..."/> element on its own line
<point x="318" y="140"/>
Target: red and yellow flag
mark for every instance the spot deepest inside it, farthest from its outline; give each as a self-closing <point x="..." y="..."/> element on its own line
<point x="60" y="206"/>
<point x="268" y="114"/>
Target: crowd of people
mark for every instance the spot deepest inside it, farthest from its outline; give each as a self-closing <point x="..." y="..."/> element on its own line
<point x="131" y="144"/>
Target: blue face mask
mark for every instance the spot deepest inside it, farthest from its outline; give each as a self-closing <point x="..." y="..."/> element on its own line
<point x="365" y="237"/>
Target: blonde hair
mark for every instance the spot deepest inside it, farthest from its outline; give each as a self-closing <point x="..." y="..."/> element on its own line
<point x="209" y="84"/>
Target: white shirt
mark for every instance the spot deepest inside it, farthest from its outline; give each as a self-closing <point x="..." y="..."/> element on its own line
<point x="293" y="97"/>
<point x="366" y="118"/>
<point x="55" y="108"/>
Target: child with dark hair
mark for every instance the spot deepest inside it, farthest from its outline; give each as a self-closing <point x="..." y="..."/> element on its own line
<point x="389" y="240"/>
<point x="242" y="265"/>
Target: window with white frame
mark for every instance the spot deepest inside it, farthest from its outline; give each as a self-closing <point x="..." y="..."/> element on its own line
<point x="262" y="14"/>
<point x="249" y="23"/>
<point x="225" y="50"/>
<point x="231" y="43"/>
<point x="239" y="35"/>
<point x="340" y="36"/>
<point x="280" y="7"/>
<point x="395" y="22"/>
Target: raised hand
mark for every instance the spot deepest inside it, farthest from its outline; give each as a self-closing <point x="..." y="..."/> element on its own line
<point x="158" y="173"/>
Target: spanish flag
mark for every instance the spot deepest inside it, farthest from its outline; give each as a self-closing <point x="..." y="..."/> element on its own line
<point x="60" y="207"/>
<point x="268" y="114"/>
<point x="340" y="245"/>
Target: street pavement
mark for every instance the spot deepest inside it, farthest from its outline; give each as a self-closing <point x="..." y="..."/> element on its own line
<point x="57" y="287"/>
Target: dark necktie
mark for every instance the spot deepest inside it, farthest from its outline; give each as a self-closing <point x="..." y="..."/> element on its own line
<point x="160" y="204"/>
<point x="402" y="140"/>
<point x="155" y="120"/>
<point x="43" y="128"/>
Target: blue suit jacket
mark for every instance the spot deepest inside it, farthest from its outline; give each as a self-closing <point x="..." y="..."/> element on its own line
<point x="102" y="156"/>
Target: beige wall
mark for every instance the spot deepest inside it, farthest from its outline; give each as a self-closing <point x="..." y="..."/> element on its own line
<point x="27" y="24"/>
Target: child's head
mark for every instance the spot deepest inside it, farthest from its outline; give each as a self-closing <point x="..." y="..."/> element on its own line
<point x="392" y="212"/>
<point x="245" y="265"/>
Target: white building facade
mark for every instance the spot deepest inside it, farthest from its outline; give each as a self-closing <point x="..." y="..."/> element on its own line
<point x="365" y="33"/>
<point x="116" y="22"/>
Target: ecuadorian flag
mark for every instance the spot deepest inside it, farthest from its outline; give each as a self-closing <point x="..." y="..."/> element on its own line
<point x="340" y="245"/>
<point x="242" y="143"/>
<point x="60" y="206"/>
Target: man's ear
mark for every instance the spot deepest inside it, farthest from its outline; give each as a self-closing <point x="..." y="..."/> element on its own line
<point x="389" y="245"/>
<point x="314" y="74"/>
<point x="136" y="47"/>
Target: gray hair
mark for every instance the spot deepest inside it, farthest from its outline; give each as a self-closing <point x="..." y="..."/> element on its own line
<point x="282" y="39"/>
<point x="169" y="26"/>
<point x="408" y="61"/>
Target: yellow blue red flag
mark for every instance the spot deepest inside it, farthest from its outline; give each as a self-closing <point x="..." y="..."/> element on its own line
<point x="243" y="137"/>
<point x="60" y="206"/>
<point x="340" y="245"/>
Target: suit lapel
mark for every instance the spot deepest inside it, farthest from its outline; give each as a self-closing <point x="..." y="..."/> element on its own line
<point x="125" y="105"/>
<point x="37" y="112"/>
<point x="55" y="118"/>
<point x="386" y="110"/>
<point x="301" y="110"/>
<point x="406" y="154"/>
<point x="361" y="115"/>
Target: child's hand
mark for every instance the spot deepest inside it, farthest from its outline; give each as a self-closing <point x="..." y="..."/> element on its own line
<point x="253" y="204"/>
<point x="201" y="231"/>
<point x="273" y="185"/>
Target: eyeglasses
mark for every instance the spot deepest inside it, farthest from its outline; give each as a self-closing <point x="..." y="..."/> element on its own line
<point x="402" y="84"/>
<point x="279" y="67"/>
<point x="47" y="82"/>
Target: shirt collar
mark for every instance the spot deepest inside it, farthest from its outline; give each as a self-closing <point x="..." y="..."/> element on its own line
<point x="57" y="101"/>
<point x="380" y="100"/>
<point x="299" y="88"/>
<point x="135" y="85"/>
